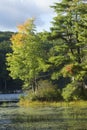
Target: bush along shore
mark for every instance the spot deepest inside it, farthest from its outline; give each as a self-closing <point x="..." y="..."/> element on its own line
<point x="49" y="95"/>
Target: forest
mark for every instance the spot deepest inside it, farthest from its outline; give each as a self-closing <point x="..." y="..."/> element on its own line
<point x="51" y="66"/>
<point x="7" y="84"/>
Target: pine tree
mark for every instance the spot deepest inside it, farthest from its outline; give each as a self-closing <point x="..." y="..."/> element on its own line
<point x="70" y="25"/>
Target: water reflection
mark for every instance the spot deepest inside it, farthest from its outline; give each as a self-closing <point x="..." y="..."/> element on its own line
<point x="47" y="118"/>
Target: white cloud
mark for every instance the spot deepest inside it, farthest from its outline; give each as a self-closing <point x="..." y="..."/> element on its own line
<point x="14" y="12"/>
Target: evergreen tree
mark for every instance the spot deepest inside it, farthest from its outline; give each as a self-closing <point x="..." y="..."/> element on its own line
<point x="69" y="32"/>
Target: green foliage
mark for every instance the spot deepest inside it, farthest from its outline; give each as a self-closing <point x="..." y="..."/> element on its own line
<point x="69" y="35"/>
<point x="68" y="92"/>
<point x="23" y="62"/>
<point x="61" y="53"/>
<point x="4" y="48"/>
<point x="5" y="36"/>
<point x="7" y="84"/>
<point x="68" y="27"/>
<point x="46" y="92"/>
<point x="72" y="92"/>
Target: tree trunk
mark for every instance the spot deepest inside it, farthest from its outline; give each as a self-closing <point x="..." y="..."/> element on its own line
<point x="5" y="85"/>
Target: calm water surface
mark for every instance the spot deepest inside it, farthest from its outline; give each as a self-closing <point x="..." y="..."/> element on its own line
<point x="42" y="118"/>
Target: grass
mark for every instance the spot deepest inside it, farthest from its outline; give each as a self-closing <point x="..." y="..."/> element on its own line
<point x="45" y="116"/>
<point x="50" y="118"/>
<point x="27" y="103"/>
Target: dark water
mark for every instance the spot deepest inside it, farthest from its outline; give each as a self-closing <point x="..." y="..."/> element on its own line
<point x="43" y="118"/>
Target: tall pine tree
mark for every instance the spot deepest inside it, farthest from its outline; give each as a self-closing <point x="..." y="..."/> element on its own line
<point x="69" y="31"/>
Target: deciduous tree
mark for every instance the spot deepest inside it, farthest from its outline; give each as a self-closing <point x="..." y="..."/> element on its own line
<point x="23" y="62"/>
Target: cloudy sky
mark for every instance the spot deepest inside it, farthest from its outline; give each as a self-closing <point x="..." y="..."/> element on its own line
<point x="15" y="12"/>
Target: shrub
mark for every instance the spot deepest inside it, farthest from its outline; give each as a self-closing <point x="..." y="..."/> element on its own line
<point x="46" y="92"/>
<point x="68" y="92"/>
<point x="72" y="92"/>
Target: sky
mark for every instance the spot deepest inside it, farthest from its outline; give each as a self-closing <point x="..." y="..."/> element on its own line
<point x="15" y="12"/>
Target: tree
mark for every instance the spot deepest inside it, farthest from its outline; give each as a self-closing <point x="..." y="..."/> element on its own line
<point x="69" y="32"/>
<point x="4" y="48"/>
<point x="6" y="82"/>
<point x="23" y="62"/>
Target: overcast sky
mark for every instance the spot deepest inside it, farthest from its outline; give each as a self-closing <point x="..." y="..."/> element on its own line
<point x="15" y="12"/>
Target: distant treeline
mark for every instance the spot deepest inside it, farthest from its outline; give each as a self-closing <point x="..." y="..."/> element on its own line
<point x="7" y="84"/>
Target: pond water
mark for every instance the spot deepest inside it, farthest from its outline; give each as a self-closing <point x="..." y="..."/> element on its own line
<point x="42" y="118"/>
<point x="11" y="96"/>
